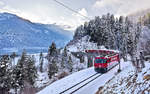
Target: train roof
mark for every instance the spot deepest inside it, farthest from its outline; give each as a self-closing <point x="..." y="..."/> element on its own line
<point x="101" y="51"/>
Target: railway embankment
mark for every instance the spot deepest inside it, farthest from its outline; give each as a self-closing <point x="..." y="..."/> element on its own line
<point x="128" y="81"/>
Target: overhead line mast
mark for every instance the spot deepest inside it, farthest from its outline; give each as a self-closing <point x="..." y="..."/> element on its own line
<point x="71" y="9"/>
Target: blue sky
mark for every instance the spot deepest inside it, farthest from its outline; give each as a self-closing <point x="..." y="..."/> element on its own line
<point x="49" y="12"/>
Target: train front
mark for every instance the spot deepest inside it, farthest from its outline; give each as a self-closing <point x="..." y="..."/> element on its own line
<point x="100" y="64"/>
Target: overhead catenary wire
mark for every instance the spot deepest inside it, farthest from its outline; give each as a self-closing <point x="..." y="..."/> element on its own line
<point x="60" y="3"/>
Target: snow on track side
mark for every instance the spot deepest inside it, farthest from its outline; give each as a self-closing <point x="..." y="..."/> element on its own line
<point x="92" y="87"/>
<point x="74" y="89"/>
<point x="64" y="83"/>
<point x="79" y="83"/>
<point x="79" y="87"/>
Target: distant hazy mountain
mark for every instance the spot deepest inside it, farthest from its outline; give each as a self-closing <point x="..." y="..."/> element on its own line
<point x="18" y="33"/>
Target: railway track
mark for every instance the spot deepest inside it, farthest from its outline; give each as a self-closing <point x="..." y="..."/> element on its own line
<point x="83" y="83"/>
<point x="78" y="83"/>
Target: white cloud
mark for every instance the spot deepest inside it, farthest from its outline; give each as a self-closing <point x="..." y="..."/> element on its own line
<point x="120" y="7"/>
<point x="103" y="3"/>
<point x="1" y="3"/>
<point x="79" y="18"/>
<point x="75" y="19"/>
<point x="82" y="12"/>
<point x="48" y="11"/>
<point x="44" y="11"/>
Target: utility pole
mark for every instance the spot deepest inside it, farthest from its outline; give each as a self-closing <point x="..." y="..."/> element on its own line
<point x="119" y="64"/>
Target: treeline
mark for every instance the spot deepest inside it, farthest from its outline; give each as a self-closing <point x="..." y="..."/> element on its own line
<point x="113" y="33"/>
<point x="22" y="74"/>
<point x="17" y="76"/>
<point x="58" y="60"/>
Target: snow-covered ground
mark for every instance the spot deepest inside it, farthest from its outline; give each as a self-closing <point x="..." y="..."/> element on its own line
<point x="42" y="80"/>
<point x="129" y="82"/>
<point x="68" y="81"/>
<point x="82" y="44"/>
<point x="91" y="88"/>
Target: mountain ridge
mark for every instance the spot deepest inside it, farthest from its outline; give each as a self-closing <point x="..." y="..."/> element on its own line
<point x="20" y="33"/>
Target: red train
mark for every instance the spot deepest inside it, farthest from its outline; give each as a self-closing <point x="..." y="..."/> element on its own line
<point x="105" y="60"/>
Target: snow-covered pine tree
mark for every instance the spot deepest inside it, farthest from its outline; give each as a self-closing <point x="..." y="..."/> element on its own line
<point x="127" y="26"/>
<point x="18" y="73"/>
<point x="24" y="57"/>
<point x="5" y="79"/>
<point x="147" y="47"/>
<point x="121" y="33"/>
<point x="79" y="32"/>
<point x="64" y="58"/>
<point x="109" y="32"/>
<point x="41" y="60"/>
<point x="15" y="79"/>
<point x="52" y="52"/>
<point x="30" y="70"/>
<point x="130" y="44"/>
<point x="52" y="49"/>
<point x="65" y="52"/>
<point x="137" y="36"/>
<point x="52" y="69"/>
<point x="124" y="35"/>
<point x="112" y="32"/>
<point x="63" y="63"/>
<point x="70" y="64"/>
<point x="12" y="56"/>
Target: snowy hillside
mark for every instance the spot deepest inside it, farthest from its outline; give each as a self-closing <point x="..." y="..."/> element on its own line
<point x="91" y="88"/>
<point x="127" y="82"/>
<point x="82" y="44"/>
<point x="17" y="33"/>
<point x="144" y="40"/>
<point x="62" y="84"/>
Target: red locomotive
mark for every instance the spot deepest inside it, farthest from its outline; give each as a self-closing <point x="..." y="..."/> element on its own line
<point x="105" y="60"/>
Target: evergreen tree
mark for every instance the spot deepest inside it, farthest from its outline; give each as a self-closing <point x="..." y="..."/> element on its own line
<point x="63" y="63"/>
<point x="31" y="72"/>
<point x="70" y="64"/>
<point x="19" y="72"/>
<point x="24" y="57"/>
<point x="15" y="79"/>
<point x="52" y="50"/>
<point x="41" y="62"/>
<point x="52" y="68"/>
<point x="79" y="32"/>
<point x="5" y="81"/>
<point x="12" y="56"/>
<point x="113" y="33"/>
<point x="64" y="58"/>
<point x="65" y="52"/>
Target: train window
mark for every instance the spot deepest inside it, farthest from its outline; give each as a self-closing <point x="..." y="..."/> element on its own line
<point x="100" y="61"/>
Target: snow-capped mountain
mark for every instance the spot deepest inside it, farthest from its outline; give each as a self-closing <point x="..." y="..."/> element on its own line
<point x="18" y="33"/>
